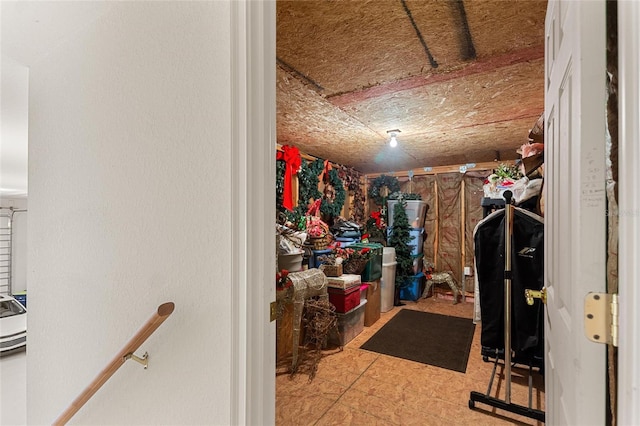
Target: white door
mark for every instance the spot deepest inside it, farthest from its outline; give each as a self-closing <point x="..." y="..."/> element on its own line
<point x="629" y="207"/>
<point x="575" y="250"/>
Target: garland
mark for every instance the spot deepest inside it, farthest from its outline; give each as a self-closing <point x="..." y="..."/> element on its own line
<point x="308" y="181"/>
<point x="334" y="195"/>
<point x="352" y="179"/>
<point x="280" y="168"/>
<point x="390" y="182"/>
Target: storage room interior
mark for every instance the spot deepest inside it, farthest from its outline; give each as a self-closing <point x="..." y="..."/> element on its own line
<point x="436" y="106"/>
<point x="410" y="146"/>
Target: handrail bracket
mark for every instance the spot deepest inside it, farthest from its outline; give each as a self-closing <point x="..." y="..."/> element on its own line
<point x="144" y="360"/>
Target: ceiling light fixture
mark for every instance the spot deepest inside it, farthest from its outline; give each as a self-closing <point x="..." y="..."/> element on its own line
<point x="393" y="141"/>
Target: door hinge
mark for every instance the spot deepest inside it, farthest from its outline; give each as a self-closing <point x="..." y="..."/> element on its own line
<point x="601" y="318"/>
<point x="530" y="295"/>
<point x="273" y="311"/>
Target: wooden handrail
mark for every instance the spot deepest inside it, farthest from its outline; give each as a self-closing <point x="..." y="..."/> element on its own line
<point x="138" y="339"/>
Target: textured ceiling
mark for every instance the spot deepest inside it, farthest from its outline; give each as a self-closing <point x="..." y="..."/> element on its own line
<point x="463" y="81"/>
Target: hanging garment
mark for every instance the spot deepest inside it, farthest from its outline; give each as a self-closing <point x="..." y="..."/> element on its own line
<point x="527" y="272"/>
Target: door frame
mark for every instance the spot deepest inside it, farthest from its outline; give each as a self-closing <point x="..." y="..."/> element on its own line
<point x="629" y="208"/>
<point x="253" y="206"/>
<point x="253" y="97"/>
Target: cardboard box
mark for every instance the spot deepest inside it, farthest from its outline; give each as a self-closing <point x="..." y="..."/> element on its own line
<point x="344" y="281"/>
<point x="372" y="308"/>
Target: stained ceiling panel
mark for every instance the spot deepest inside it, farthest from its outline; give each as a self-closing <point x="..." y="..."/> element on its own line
<point x="462" y="80"/>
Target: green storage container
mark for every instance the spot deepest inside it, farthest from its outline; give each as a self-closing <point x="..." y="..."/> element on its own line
<point x="373" y="270"/>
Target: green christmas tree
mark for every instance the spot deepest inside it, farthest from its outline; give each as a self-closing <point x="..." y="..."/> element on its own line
<point x="399" y="239"/>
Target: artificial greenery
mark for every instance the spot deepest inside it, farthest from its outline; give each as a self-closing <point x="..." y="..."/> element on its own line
<point x="332" y="205"/>
<point x="376" y="188"/>
<point x="505" y="171"/>
<point x="308" y="180"/>
<point x="399" y="239"/>
<point x="375" y="227"/>
<point x="307" y="188"/>
<point x="405" y="196"/>
<point x="352" y="182"/>
<point x="281" y="166"/>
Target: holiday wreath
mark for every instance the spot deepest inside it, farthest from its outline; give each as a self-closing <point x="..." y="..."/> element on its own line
<point x="334" y="195"/>
<point x="383" y="181"/>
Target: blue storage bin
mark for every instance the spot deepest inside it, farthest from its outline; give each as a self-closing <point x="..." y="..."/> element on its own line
<point x="416" y="241"/>
<point x="413" y="288"/>
<point x="346" y="242"/>
<point x="316" y="254"/>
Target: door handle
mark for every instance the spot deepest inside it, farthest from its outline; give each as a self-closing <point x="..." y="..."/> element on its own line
<point x="530" y="295"/>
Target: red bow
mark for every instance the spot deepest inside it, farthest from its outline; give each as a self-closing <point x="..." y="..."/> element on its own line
<point x="325" y="171"/>
<point x="377" y="216"/>
<point x="291" y="156"/>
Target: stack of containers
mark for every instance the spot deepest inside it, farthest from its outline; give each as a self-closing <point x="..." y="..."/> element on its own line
<point x="414" y="290"/>
<point x="416" y="213"/>
<point x="373" y="270"/>
<point x="388" y="280"/>
<point x="344" y="294"/>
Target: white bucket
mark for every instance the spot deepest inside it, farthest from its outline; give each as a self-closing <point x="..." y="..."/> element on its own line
<point x="388" y="254"/>
<point x="292" y="262"/>
<point x="387" y="286"/>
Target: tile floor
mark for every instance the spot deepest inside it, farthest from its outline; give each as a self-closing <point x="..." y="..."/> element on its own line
<point x="358" y="387"/>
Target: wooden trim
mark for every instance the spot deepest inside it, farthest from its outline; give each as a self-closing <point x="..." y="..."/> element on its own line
<point x="463" y="233"/>
<point x="132" y="345"/>
<point x="442" y="169"/>
<point x="628" y="390"/>
<point x="436" y="223"/>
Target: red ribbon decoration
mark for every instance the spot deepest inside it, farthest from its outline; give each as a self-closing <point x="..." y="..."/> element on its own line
<point x="377" y="216"/>
<point x="325" y="171"/>
<point x="291" y="156"/>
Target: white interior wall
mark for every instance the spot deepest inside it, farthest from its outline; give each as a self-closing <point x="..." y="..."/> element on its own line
<point x="128" y="176"/>
<point x="14" y="118"/>
<point x="19" y="244"/>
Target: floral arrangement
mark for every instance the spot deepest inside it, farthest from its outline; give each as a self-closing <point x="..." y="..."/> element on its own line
<point x="345" y="255"/>
<point x="502" y="178"/>
<point x="282" y="280"/>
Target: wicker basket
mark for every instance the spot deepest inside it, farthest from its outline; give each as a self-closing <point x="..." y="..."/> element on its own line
<point x="354" y="266"/>
<point x="320" y="243"/>
<point x="331" y="270"/>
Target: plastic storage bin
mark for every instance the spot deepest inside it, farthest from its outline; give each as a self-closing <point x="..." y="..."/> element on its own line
<point x="417" y="263"/>
<point x="316" y="257"/>
<point x="388" y="255"/>
<point x="416" y="211"/>
<point x="346" y="241"/>
<point x="373" y="270"/>
<point x="414" y="289"/>
<point x="417" y="235"/>
<point x="344" y="300"/>
<point x="388" y="286"/>
<point x="349" y="326"/>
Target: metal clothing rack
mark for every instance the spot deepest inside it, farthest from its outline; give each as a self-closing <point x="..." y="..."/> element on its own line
<point x="506" y="404"/>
